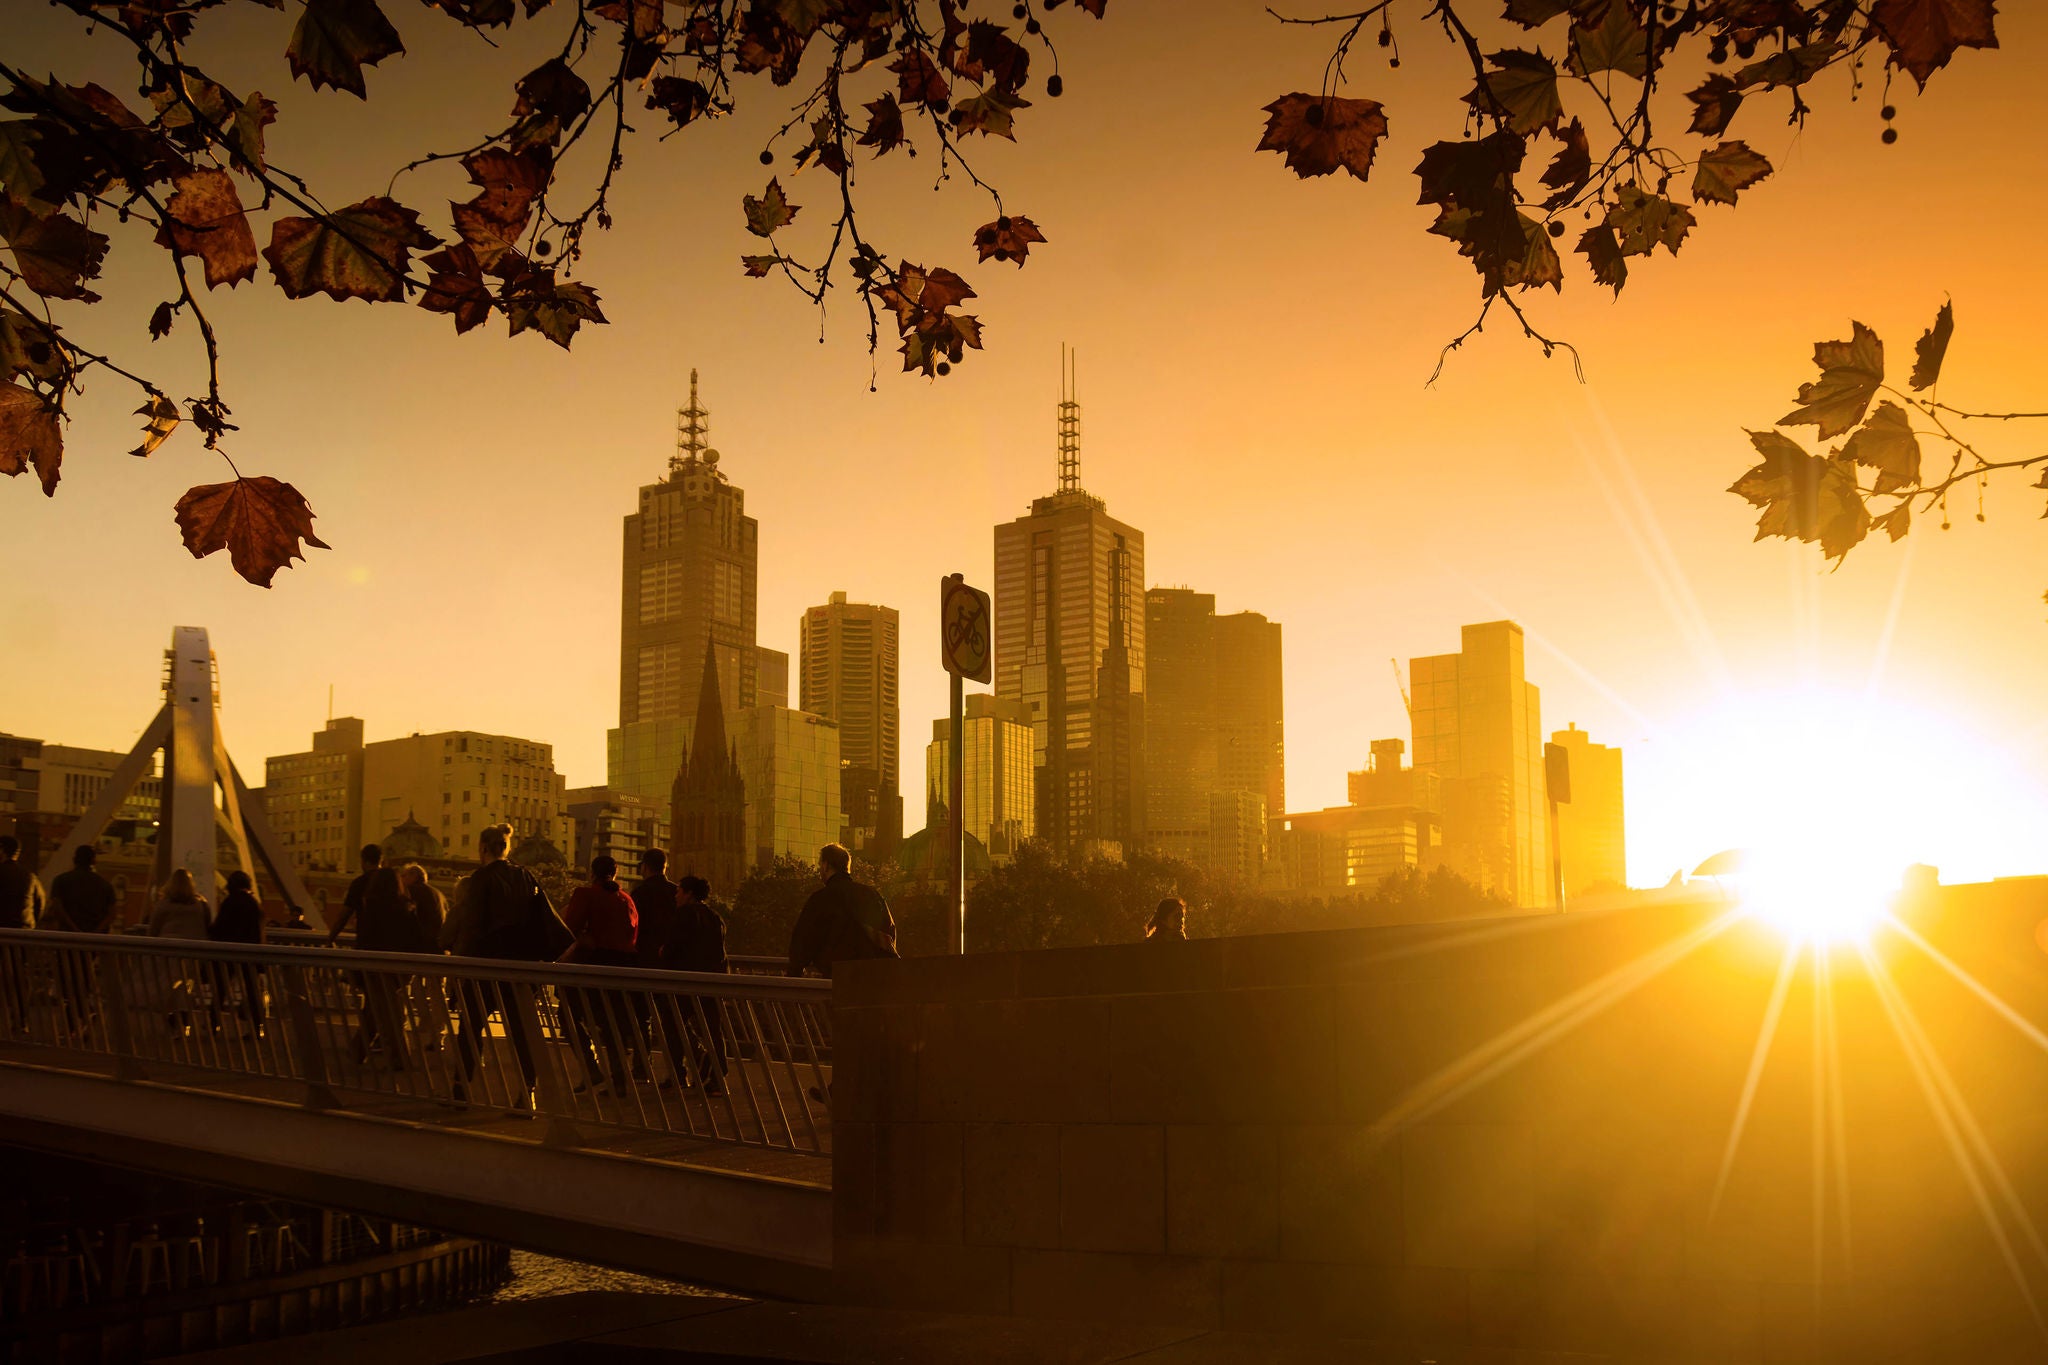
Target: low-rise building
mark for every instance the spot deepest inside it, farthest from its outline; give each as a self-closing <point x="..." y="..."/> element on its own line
<point x="998" y="772"/>
<point x="314" y="800"/>
<point x="458" y="782"/>
<point x="617" y="824"/>
<point x="789" y="761"/>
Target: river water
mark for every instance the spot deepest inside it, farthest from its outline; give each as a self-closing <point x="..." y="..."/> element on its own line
<point x="542" y="1277"/>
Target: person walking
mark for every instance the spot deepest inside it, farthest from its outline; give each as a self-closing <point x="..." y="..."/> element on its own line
<point x="21" y="893"/>
<point x="427" y="996"/>
<point x="1169" y="922"/>
<point x="844" y="920"/>
<point x="182" y="913"/>
<point x="701" y="948"/>
<point x="358" y="891"/>
<point x="501" y="912"/>
<point x="81" y="901"/>
<point x="240" y="920"/>
<point x="606" y="924"/>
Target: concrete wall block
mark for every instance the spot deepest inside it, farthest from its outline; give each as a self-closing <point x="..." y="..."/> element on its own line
<point x="1012" y="1195"/>
<point x="919" y="1176"/>
<point x="856" y="1062"/>
<point x="926" y="980"/>
<point x="1468" y="1196"/>
<point x="1277" y="1057"/>
<point x="877" y="1272"/>
<point x="1102" y="1287"/>
<point x="1223" y="1191"/>
<point x="1144" y="968"/>
<point x="1037" y="1061"/>
<point x="891" y="1080"/>
<point x="1417" y="1042"/>
<point x="1340" y="1196"/>
<point x="1162" y="1051"/>
<point x="856" y="1188"/>
<point x="945" y="1068"/>
<point x="1633" y="1316"/>
<point x="1612" y="1199"/>
<point x="1113" y="1187"/>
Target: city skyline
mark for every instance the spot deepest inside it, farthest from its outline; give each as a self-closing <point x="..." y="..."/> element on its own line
<point x="1592" y="514"/>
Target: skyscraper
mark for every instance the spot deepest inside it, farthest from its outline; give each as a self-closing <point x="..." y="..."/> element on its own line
<point x="1591" y="831"/>
<point x="688" y="581"/>
<point x="314" y="800"/>
<point x="790" y="763"/>
<point x="1213" y="729"/>
<point x="1477" y="724"/>
<point x="1070" y="645"/>
<point x="996" y="768"/>
<point x="848" y="675"/>
<point x="708" y="797"/>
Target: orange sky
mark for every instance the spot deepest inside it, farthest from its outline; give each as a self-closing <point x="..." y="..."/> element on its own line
<point x="1253" y="352"/>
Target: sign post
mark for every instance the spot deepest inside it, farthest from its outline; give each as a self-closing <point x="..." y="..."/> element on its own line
<point x="965" y="636"/>
<point x="1557" y="781"/>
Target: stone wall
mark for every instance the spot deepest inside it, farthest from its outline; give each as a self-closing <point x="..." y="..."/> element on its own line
<point x="1462" y="1137"/>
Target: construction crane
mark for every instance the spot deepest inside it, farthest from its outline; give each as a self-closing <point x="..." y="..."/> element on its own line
<point x="1406" y="705"/>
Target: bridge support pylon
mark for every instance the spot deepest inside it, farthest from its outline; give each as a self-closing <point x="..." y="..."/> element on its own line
<point x="207" y="821"/>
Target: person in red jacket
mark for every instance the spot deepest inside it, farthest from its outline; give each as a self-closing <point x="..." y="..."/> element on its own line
<point x="607" y="927"/>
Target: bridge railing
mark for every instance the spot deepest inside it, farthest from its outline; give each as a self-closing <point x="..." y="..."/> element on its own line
<point x="729" y="1058"/>
<point x="743" y="964"/>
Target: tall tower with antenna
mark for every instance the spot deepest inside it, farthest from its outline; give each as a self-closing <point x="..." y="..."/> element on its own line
<point x="1070" y="646"/>
<point x="689" y="561"/>
<point x="1069" y="424"/>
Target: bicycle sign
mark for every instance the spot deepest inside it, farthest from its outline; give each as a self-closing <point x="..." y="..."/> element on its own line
<point x="964" y="630"/>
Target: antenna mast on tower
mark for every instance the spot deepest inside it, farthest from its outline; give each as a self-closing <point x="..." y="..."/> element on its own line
<point x="693" y="424"/>
<point x="1069" y="424"/>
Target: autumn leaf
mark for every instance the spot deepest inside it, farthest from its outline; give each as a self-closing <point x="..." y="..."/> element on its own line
<point x="1804" y="497"/>
<point x="1897" y="522"/>
<point x="1538" y="264"/>
<point x="455" y="285"/>
<point x="682" y="100"/>
<point x="994" y="57"/>
<point x="757" y="267"/>
<point x="919" y="81"/>
<point x="1714" y="102"/>
<point x="1008" y="238"/>
<point x="1571" y="168"/>
<point x="885" y="124"/>
<point x="360" y="252"/>
<point x="1522" y="87"/>
<point x="336" y="39"/>
<point x="491" y="223"/>
<point x="1850" y="372"/>
<point x="205" y="219"/>
<point x="771" y="212"/>
<point x="29" y="436"/>
<point x="941" y="338"/>
<point x="1789" y="69"/>
<point x="160" y="321"/>
<point x="1536" y="13"/>
<point x="991" y="113"/>
<point x="916" y="292"/>
<point x="1924" y="34"/>
<point x="29" y="346"/>
<point x="1602" y="250"/>
<point x="1643" y="221"/>
<point x="1932" y="346"/>
<point x="1729" y="167"/>
<point x="1618" y="43"/>
<point x="553" y="308"/>
<point x="160" y="419"/>
<point x="1319" y="134"/>
<point x="20" y="177"/>
<point x="1473" y="185"/>
<point x="258" y="521"/>
<point x="1887" y="444"/>
<point x="252" y="116"/>
<point x="55" y="254"/>
<point x="550" y="98"/>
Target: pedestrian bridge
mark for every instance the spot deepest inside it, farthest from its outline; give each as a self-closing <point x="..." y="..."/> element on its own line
<point x="666" y="1122"/>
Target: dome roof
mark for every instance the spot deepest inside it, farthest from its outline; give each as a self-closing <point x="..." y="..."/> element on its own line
<point x="410" y="840"/>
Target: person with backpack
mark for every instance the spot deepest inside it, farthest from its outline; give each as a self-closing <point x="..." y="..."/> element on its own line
<point x="504" y="914"/>
<point x="81" y="901"/>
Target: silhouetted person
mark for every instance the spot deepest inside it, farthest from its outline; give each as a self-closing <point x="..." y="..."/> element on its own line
<point x="501" y="913"/>
<point x="702" y="949"/>
<point x="429" y="908"/>
<point x="606" y="924"/>
<point x="21" y="894"/>
<point x="239" y="920"/>
<point x="352" y="902"/>
<point x="384" y="924"/>
<point x="81" y="901"/>
<point x="844" y="920"/>
<point x="182" y="913"/>
<point x="295" y="918"/>
<point x="1168" y="922"/>
<point x="661" y="923"/>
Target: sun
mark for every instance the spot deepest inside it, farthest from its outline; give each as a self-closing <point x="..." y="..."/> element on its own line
<point x="1825" y="797"/>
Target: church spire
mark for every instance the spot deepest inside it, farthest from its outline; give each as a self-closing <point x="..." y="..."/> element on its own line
<point x="693" y="424"/>
<point x="1069" y="424"/>
<point x="707" y="741"/>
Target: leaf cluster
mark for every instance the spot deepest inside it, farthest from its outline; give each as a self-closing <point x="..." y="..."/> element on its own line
<point x="192" y="162"/>
<point x="1877" y="478"/>
<point x="1567" y="132"/>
